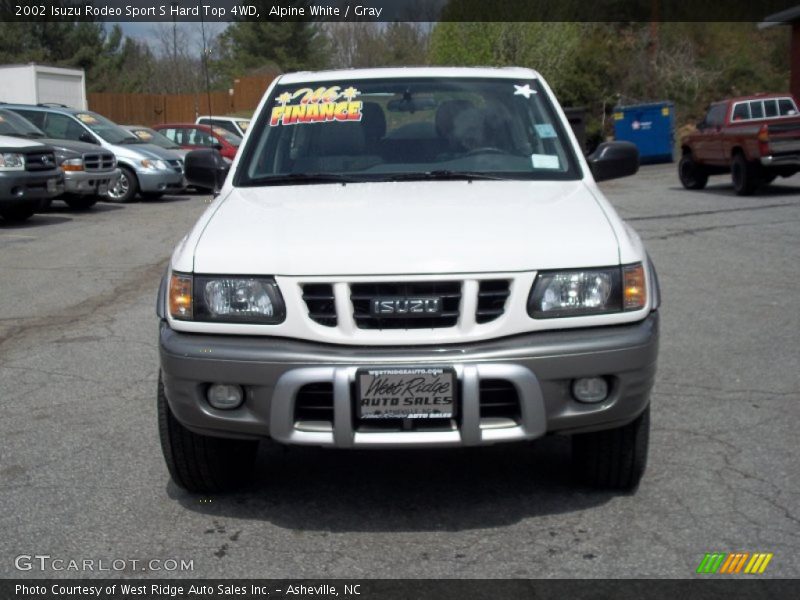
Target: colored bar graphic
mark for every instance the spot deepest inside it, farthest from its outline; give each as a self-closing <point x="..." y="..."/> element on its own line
<point x="731" y="563"/>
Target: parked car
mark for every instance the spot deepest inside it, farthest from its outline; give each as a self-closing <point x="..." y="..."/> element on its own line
<point x="415" y="257"/>
<point x="236" y="125"/>
<point x="754" y="138"/>
<point x="144" y="168"/>
<point x="193" y="137"/>
<point x="29" y="178"/>
<point x="150" y="136"/>
<point x="89" y="171"/>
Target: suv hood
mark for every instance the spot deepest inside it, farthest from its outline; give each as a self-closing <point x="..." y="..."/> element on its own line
<point x="392" y="228"/>
<point x="7" y="141"/>
<point x="137" y="152"/>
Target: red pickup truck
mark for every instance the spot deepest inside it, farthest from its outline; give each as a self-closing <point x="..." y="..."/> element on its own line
<point x="754" y="138"/>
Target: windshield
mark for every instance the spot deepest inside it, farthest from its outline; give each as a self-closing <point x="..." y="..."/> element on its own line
<point x="151" y="136"/>
<point x="408" y="128"/>
<point x="108" y="130"/>
<point x="14" y="125"/>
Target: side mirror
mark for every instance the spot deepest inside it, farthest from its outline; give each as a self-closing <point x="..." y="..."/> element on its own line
<point x="206" y="169"/>
<point x="88" y="138"/>
<point x="216" y="146"/>
<point x="614" y="159"/>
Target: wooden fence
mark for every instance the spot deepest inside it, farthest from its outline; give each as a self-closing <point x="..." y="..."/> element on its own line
<point x="151" y="109"/>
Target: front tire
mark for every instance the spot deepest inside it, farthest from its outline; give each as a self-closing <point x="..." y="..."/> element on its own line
<point x="615" y="458"/>
<point x="151" y="195"/>
<point x="80" y="202"/>
<point x="126" y="187"/>
<point x="744" y="175"/>
<point x="17" y="214"/>
<point x="201" y="463"/>
<point x="692" y="175"/>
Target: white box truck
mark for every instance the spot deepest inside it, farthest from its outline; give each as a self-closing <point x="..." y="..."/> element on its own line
<point x="39" y="84"/>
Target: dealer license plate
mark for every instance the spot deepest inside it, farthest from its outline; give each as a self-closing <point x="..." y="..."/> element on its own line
<point x="406" y="393"/>
<point x="52" y="185"/>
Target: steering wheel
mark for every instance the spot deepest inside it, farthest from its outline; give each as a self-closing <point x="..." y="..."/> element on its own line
<point x="485" y="150"/>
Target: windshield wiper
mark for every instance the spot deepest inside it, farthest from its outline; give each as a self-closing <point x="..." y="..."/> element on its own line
<point x="444" y="174"/>
<point x="302" y="178"/>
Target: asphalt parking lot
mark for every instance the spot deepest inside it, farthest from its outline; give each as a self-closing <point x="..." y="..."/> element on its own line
<point x="82" y="477"/>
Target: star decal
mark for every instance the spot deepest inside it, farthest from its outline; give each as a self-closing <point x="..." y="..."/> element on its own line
<point x="350" y="93"/>
<point x="283" y="98"/>
<point x="523" y="90"/>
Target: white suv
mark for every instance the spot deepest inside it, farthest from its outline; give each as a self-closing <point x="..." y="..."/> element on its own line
<point x="414" y="257"/>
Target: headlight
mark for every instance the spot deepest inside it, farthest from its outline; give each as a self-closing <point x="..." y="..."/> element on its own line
<point x="12" y="162"/>
<point x="587" y="292"/>
<point x="227" y="299"/>
<point x="158" y="165"/>
<point x="72" y="164"/>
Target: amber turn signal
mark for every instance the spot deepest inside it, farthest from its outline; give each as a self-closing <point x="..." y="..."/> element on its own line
<point x="634" y="287"/>
<point x="180" y="296"/>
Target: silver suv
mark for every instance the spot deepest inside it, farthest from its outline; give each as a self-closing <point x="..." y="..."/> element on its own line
<point x="144" y="168"/>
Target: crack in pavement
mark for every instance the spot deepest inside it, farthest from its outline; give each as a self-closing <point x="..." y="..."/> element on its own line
<point x="71" y="314"/>
<point x="693" y="230"/>
<point x="712" y="212"/>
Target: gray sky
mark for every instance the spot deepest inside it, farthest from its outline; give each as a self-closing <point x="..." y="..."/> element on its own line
<point x="149" y="32"/>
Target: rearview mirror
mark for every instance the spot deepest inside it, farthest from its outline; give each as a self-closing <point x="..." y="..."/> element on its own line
<point x="411" y="104"/>
<point x="614" y="159"/>
<point x="206" y="169"/>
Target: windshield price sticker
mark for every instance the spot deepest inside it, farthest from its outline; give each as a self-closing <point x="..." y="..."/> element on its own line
<point x="422" y="393"/>
<point x="84" y="118"/>
<point x="321" y="105"/>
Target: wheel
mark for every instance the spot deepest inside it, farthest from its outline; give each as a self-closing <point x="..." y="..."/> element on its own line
<point x="80" y="202"/>
<point x="151" y="195"/>
<point x="16" y="214"/>
<point x="692" y="175"/>
<point x="614" y="458"/>
<point x="126" y="187"/>
<point x="744" y="175"/>
<point x="200" y="463"/>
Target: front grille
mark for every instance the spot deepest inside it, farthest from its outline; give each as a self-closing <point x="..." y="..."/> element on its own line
<point x="492" y="296"/>
<point x="40" y="161"/>
<point x="98" y="162"/>
<point x="362" y="295"/>
<point x="499" y="399"/>
<point x="320" y="303"/>
<point x="314" y="402"/>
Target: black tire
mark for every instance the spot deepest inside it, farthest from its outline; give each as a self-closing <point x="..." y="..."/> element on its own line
<point x="80" y="202"/>
<point x="151" y="195"/>
<point x="692" y="175"/>
<point x="614" y="458"/>
<point x="126" y="187"/>
<point x="744" y="175"/>
<point x="200" y="463"/>
<point x="17" y="214"/>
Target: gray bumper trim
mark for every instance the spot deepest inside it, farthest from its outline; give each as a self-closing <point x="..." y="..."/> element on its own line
<point x="541" y="367"/>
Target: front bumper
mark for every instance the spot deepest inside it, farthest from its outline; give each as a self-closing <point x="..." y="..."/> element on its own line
<point x="540" y="367"/>
<point x="160" y="181"/>
<point x="31" y="189"/>
<point x="781" y="160"/>
<point x="95" y="183"/>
